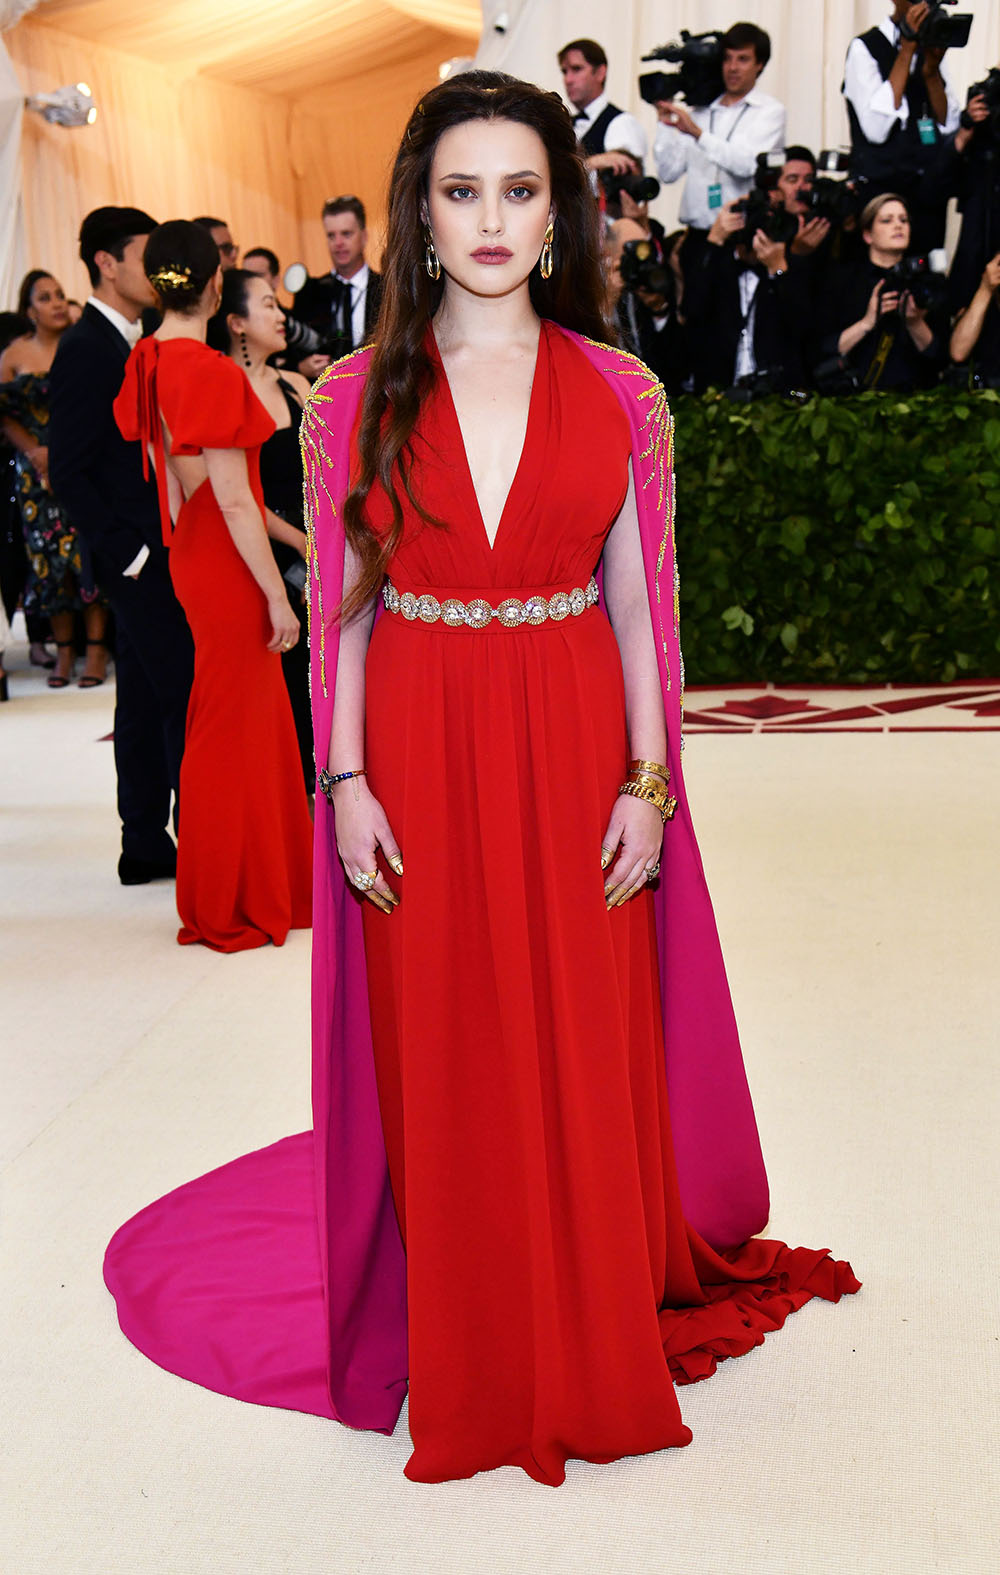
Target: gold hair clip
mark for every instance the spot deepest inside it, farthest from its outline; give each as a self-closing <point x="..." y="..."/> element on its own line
<point x="171" y="278"/>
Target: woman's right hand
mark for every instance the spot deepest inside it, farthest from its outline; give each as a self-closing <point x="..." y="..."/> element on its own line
<point x="284" y="624"/>
<point x="363" y="827"/>
<point x="880" y="304"/>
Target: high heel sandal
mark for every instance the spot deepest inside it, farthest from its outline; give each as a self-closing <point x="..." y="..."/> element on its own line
<point x="56" y="680"/>
<point x="91" y="680"/>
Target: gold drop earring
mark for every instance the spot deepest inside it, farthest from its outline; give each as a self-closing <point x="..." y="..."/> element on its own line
<point x="431" y="260"/>
<point x="545" y="261"/>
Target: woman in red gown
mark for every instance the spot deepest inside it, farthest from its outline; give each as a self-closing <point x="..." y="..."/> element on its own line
<point x="533" y="1191"/>
<point x="244" y="863"/>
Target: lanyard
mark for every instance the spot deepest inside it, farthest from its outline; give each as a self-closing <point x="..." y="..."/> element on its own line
<point x="729" y="134"/>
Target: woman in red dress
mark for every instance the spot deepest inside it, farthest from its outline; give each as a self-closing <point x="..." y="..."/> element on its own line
<point x="534" y="1167"/>
<point x="244" y="841"/>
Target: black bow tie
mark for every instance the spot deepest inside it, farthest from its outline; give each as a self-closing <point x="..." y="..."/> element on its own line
<point x="582" y="116"/>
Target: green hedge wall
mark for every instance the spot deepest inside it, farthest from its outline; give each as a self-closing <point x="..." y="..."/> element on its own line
<point x="851" y="540"/>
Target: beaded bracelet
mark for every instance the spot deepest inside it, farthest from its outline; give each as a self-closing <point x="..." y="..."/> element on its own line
<point x="327" y="782"/>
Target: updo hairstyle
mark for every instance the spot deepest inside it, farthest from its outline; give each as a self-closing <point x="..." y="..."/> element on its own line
<point x="180" y="259"/>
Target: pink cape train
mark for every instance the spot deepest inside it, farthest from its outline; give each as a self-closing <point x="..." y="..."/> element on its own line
<point x="280" y="1277"/>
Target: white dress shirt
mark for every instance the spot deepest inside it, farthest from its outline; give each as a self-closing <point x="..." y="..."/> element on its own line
<point x="358" y="285"/>
<point x="872" y="97"/>
<point x="623" y="134"/>
<point x="131" y="333"/>
<point x="725" y="154"/>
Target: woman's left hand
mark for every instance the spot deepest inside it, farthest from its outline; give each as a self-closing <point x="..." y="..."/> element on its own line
<point x="635" y="833"/>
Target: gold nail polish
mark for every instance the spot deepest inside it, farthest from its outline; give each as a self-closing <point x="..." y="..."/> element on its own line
<point x="397" y="864"/>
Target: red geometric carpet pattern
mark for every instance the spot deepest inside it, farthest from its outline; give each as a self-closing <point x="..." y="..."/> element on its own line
<point x="972" y="707"/>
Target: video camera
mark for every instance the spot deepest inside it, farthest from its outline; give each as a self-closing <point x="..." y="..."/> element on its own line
<point x="699" y="81"/>
<point x="989" y="89"/>
<point x="939" y="31"/>
<point x="643" y="266"/>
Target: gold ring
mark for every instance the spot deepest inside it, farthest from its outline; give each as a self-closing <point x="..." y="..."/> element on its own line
<point x="363" y="881"/>
<point x="651" y="874"/>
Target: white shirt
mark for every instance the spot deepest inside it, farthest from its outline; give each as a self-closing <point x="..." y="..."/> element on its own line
<point x="746" y="360"/>
<point x="623" y="134"/>
<point x="872" y="97"/>
<point x="358" y="283"/>
<point x="732" y="135"/>
<point x="131" y="333"/>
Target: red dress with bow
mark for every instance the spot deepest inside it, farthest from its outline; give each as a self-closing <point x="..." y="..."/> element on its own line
<point x="244" y="847"/>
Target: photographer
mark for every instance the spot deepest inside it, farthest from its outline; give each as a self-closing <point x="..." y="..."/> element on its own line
<point x="716" y="147"/>
<point x="975" y="179"/>
<point x="606" y="133"/>
<point x="791" y="191"/>
<point x="900" y="107"/>
<point x="877" y="322"/>
<point x="977" y="331"/>
<point x="746" y="307"/>
<point x="646" y="288"/>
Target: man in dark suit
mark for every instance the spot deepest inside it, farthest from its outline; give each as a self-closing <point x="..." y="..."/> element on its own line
<point x="342" y="305"/>
<point x="99" y="478"/>
<point x="746" y="304"/>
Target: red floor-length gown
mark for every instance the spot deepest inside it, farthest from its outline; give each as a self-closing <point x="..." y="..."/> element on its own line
<point x="244" y="850"/>
<point x="553" y="1289"/>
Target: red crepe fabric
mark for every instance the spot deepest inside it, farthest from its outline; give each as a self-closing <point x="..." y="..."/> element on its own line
<point x="244" y="855"/>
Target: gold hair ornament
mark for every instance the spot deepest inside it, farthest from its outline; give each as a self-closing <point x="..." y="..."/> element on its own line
<point x="171" y="278"/>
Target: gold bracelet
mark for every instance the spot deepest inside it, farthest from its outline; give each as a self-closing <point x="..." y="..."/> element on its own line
<point x="649" y="765"/>
<point x="657" y="796"/>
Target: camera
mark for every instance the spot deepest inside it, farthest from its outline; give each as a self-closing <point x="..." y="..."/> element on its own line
<point x="643" y="266"/>
<point x="830" y="199"/>
<point x="641" y="188"/>
<point x="759" y="212"/>
<point x="927" y="288"/>
<point x="940" y="31"/>
<point x="699" y="81"/>
<point x="989" y="89"/>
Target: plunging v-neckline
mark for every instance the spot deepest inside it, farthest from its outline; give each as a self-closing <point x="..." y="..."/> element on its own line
<point x="491" y="545"/>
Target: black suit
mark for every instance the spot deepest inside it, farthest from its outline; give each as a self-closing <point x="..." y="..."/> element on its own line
<point x="715" y="320"/>
<point x="99" y="478"/>
<point x="324" y="305"/>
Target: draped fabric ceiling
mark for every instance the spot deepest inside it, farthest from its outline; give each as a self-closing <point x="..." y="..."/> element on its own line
<point x="258" y="110"/>
<point x="254" y="110"/>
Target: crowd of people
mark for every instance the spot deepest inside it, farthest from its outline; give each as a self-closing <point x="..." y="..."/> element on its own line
<point x="786" y="275"/>
<point x="782" y="277"/>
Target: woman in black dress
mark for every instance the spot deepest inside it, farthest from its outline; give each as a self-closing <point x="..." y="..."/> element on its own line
<point x="250" y="328"/>
<point x="878" y="331"/>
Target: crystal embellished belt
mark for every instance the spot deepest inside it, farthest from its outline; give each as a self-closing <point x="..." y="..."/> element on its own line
<point x="478" y="614"/>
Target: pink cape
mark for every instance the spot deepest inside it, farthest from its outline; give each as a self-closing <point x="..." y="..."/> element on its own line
<point x="281" y="1314"/>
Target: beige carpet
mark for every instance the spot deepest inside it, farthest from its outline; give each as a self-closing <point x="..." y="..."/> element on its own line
<point x="856" y="883"/>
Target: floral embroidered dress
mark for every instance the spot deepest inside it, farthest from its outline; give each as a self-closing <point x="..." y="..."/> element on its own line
<point x="60" y="577"/>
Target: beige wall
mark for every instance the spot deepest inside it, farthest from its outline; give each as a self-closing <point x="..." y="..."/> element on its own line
<point x="178" y="146"/>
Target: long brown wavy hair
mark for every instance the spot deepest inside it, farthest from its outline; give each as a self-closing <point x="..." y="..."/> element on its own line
<point x="401" y="370"/>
